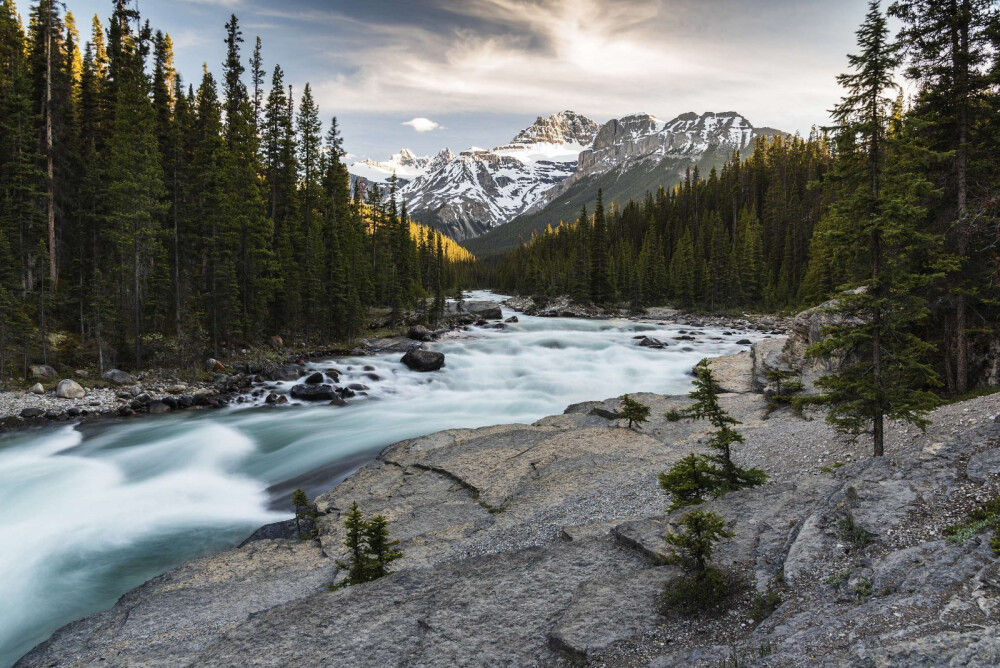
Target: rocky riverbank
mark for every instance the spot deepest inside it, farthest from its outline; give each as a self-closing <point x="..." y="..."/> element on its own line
<point x="539" y="545"/>
<point x="122" y="395"/>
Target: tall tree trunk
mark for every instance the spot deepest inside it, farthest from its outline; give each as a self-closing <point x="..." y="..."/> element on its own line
<point x="960" y="65"/>
<point x="50" y="170"/>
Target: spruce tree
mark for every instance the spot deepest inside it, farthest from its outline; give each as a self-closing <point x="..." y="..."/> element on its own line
<point x="600" y="271"/>
<point x="634" y="411"/>
<point x="381" y="549"/>
<point x="877" y="225"/>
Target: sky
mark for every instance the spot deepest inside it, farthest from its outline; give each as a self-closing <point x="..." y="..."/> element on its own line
<point x="429" y="74"/>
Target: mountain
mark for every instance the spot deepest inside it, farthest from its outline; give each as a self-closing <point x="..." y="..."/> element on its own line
<point x="554" y="166"/>
<point x="405" y="165"/>
<point x="630" y="156"/>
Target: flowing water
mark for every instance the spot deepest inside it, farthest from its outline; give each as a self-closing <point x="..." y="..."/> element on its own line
<point x="89" y="512"/>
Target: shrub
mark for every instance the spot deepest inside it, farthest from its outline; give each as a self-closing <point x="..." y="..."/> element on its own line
<point x="633" y="411"/>
<point x="691" y="548"/>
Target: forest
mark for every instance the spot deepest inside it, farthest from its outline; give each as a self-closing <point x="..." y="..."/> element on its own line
<point x="145" y="220"/>
<point x="900" y="198"/>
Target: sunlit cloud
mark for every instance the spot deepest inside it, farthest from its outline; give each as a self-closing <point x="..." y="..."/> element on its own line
<point x="421" y="124"/>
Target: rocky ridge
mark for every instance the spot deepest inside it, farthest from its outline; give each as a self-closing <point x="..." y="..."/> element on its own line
<point x="540" y="545"/>
<point x="480" y="189"/>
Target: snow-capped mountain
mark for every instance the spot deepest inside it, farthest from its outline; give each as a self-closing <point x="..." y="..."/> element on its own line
<point x="405" y="165"/>
<point x="477" y="190"/>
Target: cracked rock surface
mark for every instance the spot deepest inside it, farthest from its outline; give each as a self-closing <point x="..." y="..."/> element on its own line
<point x="537" y="545"/>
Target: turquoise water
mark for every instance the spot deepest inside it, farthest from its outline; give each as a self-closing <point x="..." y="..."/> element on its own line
<point x="90" y="512"/>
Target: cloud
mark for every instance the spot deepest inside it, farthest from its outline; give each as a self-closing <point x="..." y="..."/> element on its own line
<point x="421" y="124"/>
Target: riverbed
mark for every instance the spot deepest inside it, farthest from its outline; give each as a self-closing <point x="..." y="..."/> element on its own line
<point x="88" y="512"/>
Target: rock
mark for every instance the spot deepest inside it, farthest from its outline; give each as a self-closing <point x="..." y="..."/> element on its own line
<point x="337" y="401"/>
<point x="125" y="411"/>
<point x="485" y="310"/>
<point x="171" y="402"/>
<point x="419" y="333"/>
<point x="43" y="371"/>
<point x="511" y="319"/>
<point x="70" y="389"/>
<point x="283" y="373"/>
<point x="315" y="378"/>
<point x="32" y="412"/>
<point x="768" y="355"/>
<point x="305" y="392"/>
<point x="157" y="407"/>
<point x="276" y="342"/>
<point x="118" y="377"/>
<point x="180" y="388"/>
<point x="650" y="342"/>
<point x="37" y="389"/>
<point x="733" y="373"/>
<point x="374" y="377"/>
<point x="358" y="387"/>
<point x="744" y="342"/>
<point x="214" y="365"/>
<point x="423" y="360"/>
<point x="55" y="414"/>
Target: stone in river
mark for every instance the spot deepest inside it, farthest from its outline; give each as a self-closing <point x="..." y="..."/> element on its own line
<point x="423" y="360"/>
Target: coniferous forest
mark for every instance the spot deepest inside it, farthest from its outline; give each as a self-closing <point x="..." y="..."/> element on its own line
<point x="775" y="230"/>
<point x="147" y="219"/>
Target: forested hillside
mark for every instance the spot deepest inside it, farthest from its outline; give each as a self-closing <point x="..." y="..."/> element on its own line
<point x="145" y="219"/>
<point x="901" y="199"/>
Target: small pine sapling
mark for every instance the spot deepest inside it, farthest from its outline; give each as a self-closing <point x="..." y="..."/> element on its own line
<point x="706" y="407"/>
<point x="303" y="511"/>
<point x="633" y="411"/>
<point x="381" y="549"/>
<point x="358" y="567"/>
<point x="688" y="481"/>
<point x="691" y="548"/>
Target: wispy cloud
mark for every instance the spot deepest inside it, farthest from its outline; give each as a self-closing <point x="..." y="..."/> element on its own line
<point x="421" y="124"/>
<point x="602" y="57"/>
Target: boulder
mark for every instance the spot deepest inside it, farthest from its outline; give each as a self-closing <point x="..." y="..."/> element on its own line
<point x="650" y="342"/>
<point x="118" y="377"/>
<point x="37" y="389"/>
<point x="43" y="371"/>
<point x="423" y="360"/>
<point x="283" y="372"/>
<point x="32" y="412"/>
<point x="419" y="333"/>
<point x="315" y="378"/>
<point x="70" y="389"/>
<point x="486" y="310"/>
<point x="277" y="342"/>
<point x="337" y="401"/>
<point x="733" y="373"/>
<point x="511" y="319"/>
<point x="313" y="392"/>
<point x="215" y="365"/>
<point x="156" y="407"/>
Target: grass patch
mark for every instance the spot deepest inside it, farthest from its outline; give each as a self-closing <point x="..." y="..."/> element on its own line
<point x="984" y="517"/>
<point x="764" y="605"/>
<point x="838" y="578"/>
<point x="831" y="469"/>
<point x="971" y="394"/>
<point x="851" y="533"/>
<point x="744" y="655"/>
<point x="863" y="590"/>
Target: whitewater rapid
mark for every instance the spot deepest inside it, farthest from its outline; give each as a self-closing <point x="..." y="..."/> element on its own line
<point x="90" y="512"/>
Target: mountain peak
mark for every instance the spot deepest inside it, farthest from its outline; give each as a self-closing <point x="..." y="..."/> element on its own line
<point x="565" y="127"/>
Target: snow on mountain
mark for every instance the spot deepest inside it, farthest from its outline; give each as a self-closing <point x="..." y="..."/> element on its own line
<point x="405" y="165"/>
<point x="479" y="189"/>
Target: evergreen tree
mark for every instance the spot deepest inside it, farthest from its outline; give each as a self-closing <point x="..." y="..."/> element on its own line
<point x="688" y="481"/>
<point x="877" y="224"/>
<point x="600" y="270"/>
<point x="634" y="411"/>
<point x="359" y="566"/>
<point x="381" y="549"/>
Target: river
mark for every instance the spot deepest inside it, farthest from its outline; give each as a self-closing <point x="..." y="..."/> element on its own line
<point x="89" y="512"/>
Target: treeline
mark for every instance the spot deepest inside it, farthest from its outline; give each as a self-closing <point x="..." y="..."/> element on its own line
<point x="768" y="231"/>
<point x="737" y="238"/>
<point x="144" y="221"/>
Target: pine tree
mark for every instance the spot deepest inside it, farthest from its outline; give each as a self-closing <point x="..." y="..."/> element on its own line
<point x="634" y="411"/>
<point x="877" y="224"/>
<point x="600" y="272"/>
<point x="381" y="549"/>
<point x="688" y="481"/>
<point x="359" y="566"/>
<point x="706" y="407"/>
